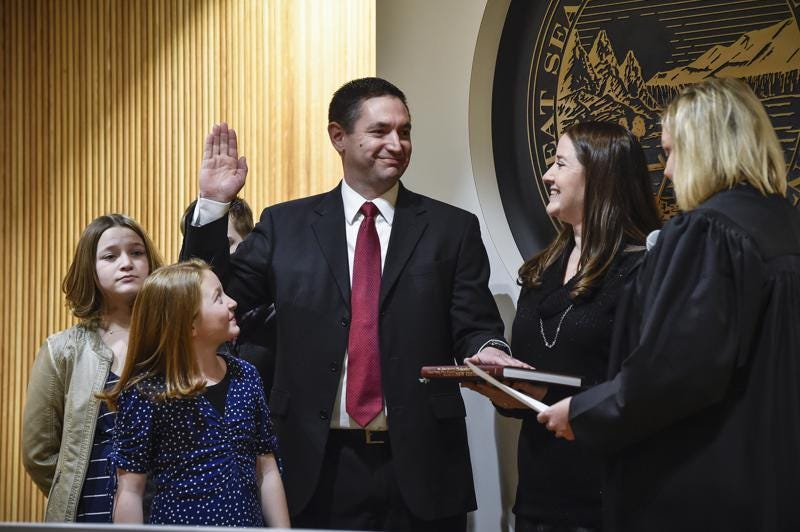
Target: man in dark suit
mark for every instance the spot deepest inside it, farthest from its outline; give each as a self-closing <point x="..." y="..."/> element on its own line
<point x="370" y="282"/>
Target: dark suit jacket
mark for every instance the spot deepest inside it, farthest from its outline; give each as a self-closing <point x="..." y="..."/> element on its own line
<point x="435" y="306"/>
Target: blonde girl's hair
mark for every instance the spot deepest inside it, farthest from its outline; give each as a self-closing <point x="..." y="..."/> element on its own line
<point x="721" y="137"/>
<point x="161" y="333"/>
<point x="81" y="286"/>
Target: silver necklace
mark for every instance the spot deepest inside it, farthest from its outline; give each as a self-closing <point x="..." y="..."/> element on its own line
<point x="109" y="332"/>
<point x="550" y="345"/>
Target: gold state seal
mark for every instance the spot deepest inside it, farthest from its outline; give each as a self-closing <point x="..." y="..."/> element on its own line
<point x="565" y="61"/>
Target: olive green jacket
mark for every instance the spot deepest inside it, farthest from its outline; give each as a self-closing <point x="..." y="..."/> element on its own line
<point x="61" y="415"/>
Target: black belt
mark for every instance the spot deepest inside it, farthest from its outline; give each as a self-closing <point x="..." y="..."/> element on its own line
<point x="361" y="436"/>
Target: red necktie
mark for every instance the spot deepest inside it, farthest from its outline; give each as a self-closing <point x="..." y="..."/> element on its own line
<point x="364" y="395"/>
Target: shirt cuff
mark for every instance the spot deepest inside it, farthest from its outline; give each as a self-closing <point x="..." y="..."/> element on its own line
<point x="207" y="211"/>
<point x="498" y="344"/>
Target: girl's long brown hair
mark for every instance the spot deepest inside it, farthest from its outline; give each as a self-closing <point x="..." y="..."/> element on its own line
<point x="161" y="333"/>
<point x="619" y="208"/>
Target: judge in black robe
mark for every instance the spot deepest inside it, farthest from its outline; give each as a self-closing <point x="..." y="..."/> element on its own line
<point x="701" y="422"/>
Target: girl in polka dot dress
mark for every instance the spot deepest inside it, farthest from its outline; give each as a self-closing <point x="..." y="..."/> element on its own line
<point x="194" y="420"/>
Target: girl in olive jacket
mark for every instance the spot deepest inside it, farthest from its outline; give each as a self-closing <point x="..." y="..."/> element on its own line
<point x="66" y="434"/>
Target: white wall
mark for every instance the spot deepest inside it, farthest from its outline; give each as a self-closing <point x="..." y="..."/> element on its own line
<point x="441" y="53"/>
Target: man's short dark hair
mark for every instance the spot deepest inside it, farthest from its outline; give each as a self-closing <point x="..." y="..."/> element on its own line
<point x="345" y="106"/>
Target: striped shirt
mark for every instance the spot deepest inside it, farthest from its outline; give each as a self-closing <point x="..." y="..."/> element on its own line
<point x="94" y="505"/>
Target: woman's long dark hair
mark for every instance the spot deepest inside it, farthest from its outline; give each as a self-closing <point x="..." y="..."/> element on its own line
<point x="619" y="209"/>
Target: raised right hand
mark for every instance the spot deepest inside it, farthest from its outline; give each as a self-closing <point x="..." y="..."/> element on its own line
<point x="222" y="171"/>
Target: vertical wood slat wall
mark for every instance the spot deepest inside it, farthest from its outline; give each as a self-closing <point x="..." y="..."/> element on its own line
<point x="104" y="105"/>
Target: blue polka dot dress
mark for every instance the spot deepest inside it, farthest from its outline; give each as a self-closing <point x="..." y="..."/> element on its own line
<point x="203" y="462"/>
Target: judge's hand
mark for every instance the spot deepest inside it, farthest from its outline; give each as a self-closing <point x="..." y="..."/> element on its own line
<point x="222" y="172"/>
<point x="556" y="419"/>
<point x="495" y="357"/>
<point x="501" y="399"/>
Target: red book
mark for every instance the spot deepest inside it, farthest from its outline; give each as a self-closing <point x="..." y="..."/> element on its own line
<point x="464" y="373"/>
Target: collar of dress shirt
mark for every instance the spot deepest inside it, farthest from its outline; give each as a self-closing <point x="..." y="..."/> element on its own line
<point x="353" y="202"/>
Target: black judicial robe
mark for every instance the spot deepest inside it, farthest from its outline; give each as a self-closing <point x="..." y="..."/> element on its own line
<point x="701" y="421"/>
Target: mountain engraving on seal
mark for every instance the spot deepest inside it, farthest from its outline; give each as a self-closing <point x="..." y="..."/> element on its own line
<point x="594" y="85"/>
<point x="767" y="58"/>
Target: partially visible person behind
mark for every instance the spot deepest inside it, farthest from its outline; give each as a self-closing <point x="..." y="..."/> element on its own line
<point x="196" y="420"/>
<point x="600" y="191"/>
<point x="66" y="430"/>
<point x="240" y="221"/>
<point x="256" y="340"/>
<point x="702" y="420"/>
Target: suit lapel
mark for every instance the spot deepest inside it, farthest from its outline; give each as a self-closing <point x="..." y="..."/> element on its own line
<point x="407" y="228"/>
<point x="330" y="234"/>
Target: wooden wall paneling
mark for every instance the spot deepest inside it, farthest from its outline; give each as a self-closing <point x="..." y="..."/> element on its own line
<point x="105" y="105"/>
<point x="7" y="171"/>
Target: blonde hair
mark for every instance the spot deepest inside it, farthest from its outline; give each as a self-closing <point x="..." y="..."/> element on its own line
<point x="721" y="137"/>
<point x="81" y="286"/>
<point x="161" y="333"/>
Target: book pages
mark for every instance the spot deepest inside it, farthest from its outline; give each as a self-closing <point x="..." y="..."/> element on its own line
<point x="527" y="400"/>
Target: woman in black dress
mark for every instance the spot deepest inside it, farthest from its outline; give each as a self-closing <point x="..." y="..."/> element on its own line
<point x="601" y="193"/>
<point x="701" y="420"/>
